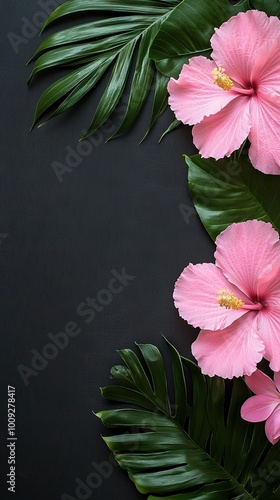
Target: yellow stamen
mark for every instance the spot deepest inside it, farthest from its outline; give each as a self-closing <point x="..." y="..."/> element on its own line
<point x="221" y="79"/>
<point x="228" y="300"/>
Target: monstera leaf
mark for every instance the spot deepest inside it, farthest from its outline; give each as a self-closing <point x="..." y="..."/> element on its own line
<point x="194" y="447"/>
<point x="134" y="37"/>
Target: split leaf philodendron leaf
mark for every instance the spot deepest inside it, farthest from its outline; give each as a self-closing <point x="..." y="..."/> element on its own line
<point x="190" y="447"/>
<point x="228" y="191"/>
<point x="158" y="36"/>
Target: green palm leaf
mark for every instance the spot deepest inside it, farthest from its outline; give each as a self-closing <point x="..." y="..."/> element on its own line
<point x="144" y="42"/>
<point x="114" y="42"/>
<point x="193" y="447"/>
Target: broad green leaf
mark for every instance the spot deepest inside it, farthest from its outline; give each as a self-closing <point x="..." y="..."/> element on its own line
<point x="228" y="191"/>
<point x="137" y="371"/>
<point x="167" y="459"/>
<point x="126" y="395"/>
<point x="155" y="365"/>
<point x="224" y="490"/>
<point x="141" y="462"/>
<point x="122" y="375"/>
<point x="266" y="479"/>
<point x="238" y="432"/>
<point x="180" y="388"/>
<point x="215" y="405"/>
<point x="271" y="7"/>
<point x="199" y="427"/>
<point x="254" y="452"/>
<point x="187" y="32"/>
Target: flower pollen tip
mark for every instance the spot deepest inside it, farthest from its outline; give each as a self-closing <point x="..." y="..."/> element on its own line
<point x="221" y="78"/>
<point x="228" y="300"/>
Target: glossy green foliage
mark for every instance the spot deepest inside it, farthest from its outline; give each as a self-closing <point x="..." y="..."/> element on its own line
<point x="229" y="190"/>
<point x="187" y="31"/>
<point x="271" y="7"/>
<point x="191" y="447"/>
<point x="119" y="43"/>
<point x="141" y="43"/>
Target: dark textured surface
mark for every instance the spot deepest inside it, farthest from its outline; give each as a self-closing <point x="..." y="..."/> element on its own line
<point x="120" y="207"/>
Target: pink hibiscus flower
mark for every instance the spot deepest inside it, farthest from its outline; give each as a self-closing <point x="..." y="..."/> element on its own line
<point x="265" y="405"/>
<point x="235" y="302"/>
<point x="236" y="94"/>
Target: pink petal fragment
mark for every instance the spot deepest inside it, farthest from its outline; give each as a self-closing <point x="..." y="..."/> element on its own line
<point x="194" y="95"/>
<point x="277" y="380"/>
<point x="264" y="152"/>
<point x="243" y="250"/>
<point x="235" y="44"/>
<point x="195" y="295"/>
<point x="268" y="283"/>
<point x="272" y="426"/>
<point x="269" y="330"/>
<point x="221" y="134"/>
<point x="232" y="352"/>
<point x="267" y="66"/>
<point x="258" y="408"/>
<point x="260" y="383"/>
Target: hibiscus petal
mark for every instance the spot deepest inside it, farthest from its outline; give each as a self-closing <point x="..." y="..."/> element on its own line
<point x="221" y="134"/>
<point x="235" y="44"/>
<point x="260" y="383"/>
<point x="194" y="95"/>
<point x="243" y="250"/>
<point x="277" y="380"/>
<point x="269" y="329"/>
<point x="272" y="426"/>
<point x="258" y="408"/>
<point x="265" y="72"/>
<point x="232" y="352"/>
<point x="268" y="283"/>
<point x="195" y="295"/>
<point x="264" y="152"/>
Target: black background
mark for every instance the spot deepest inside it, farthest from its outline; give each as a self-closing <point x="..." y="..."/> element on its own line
<point x="120" y="207"/>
